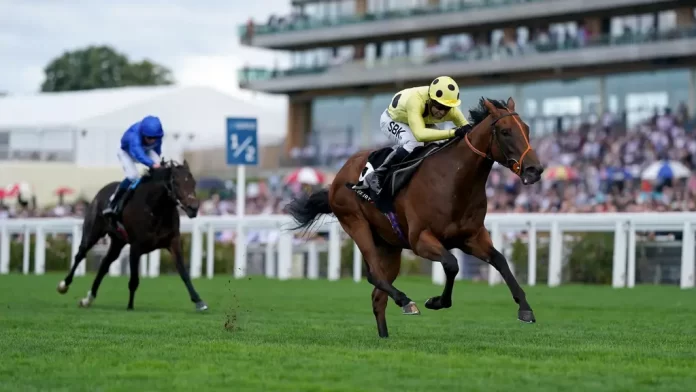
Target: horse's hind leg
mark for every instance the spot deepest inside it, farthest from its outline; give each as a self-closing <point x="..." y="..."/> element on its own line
<point x="392" y="259"/>
<point x="110" y="256"/>
<point x="377" y="267"/>
<point x="481" y="247"/>
<point x="90" y="236"/>
<point x="431" y="248"/>
<point x="134" y="281"/>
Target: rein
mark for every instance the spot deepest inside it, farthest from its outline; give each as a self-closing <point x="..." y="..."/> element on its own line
<point x="169" y="186"/>
<point x="512" y="164"/>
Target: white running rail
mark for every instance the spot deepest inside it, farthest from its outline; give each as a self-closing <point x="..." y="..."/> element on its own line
<point x="279" y="253"/>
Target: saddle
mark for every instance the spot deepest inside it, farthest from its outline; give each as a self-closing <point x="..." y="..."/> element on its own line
<point x="398" y="175"/>
<point x="116" y="220"/>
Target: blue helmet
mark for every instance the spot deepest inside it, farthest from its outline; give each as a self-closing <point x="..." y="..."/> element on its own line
<point x="151" y="126"/>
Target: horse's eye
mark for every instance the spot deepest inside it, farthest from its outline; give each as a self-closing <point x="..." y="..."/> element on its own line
<point x="505" y="131"/>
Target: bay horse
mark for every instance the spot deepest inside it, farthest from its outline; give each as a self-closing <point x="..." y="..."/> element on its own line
<point x="442" y="207"/>
<point x="149" y="221"/>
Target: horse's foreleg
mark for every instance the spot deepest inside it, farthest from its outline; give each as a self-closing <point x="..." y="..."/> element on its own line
<point x="481" y="246"/>
<point x="177" y="253"/>
<point x="431" y="248"/>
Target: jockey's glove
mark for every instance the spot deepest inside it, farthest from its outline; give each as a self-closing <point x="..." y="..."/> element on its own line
<point x="463" y="130"/>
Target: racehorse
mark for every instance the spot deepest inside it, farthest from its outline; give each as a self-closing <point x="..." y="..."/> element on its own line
<point x="148" y="222"/>
<point x="442" y="207"/>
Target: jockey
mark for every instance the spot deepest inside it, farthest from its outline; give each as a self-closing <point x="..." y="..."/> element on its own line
<point x="142" y="143"/>
<point x="409" y="121"/>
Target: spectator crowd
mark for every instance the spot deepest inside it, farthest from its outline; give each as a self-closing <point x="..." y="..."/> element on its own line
<point x="603" y="165"/>
<point x="607" y="165"/>
<point x="495" y="44"/>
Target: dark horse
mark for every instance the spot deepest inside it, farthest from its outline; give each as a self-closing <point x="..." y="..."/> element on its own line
<point x="442" y="207"/>
<point x="148" y="222"/>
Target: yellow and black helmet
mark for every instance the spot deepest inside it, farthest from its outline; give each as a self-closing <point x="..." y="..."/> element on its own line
<point x="444" y="90"/>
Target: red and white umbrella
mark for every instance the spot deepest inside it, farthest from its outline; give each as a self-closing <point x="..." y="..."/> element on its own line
<point x="64" y="190"/>
<point x="305" y="175"/>
<point x="560" y="173"/>
<point x="14" y="190"/>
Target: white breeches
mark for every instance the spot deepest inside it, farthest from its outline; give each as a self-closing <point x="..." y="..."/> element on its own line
<point x="128" y="163"/>
<point x="399" y="133"/>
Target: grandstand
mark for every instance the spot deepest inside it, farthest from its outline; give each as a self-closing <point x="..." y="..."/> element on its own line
<point x="607" y="87"/>
<point x="565" y="62"/>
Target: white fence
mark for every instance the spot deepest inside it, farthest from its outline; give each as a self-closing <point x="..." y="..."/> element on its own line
<point x="279" y="253"/>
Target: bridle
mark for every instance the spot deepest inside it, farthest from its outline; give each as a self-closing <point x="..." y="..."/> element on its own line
<point x="169" y="186"/>
<point x="512" y="164"/>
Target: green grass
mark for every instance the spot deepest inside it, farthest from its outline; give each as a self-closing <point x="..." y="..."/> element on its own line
<point x="319" y="335"/>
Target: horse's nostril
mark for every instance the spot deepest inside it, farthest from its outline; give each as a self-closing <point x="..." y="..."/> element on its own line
<point x="533" y="170"/>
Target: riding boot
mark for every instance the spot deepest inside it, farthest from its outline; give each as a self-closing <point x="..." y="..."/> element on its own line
<point x="116" y="198"/>
<point x="377" y="178"/>
<point x="122" y="201"/>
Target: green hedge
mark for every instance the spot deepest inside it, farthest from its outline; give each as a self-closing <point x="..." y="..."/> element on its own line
<point x="409" y="266"/>
<point x="58" y="256"/>
<point x="589" y="261"/>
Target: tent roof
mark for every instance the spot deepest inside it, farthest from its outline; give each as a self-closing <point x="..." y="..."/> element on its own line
<point x="69" y="108"/>
<point x="182" y="109"/>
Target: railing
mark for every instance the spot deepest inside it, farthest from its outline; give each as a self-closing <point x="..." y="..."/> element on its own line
<point x="624" y="226"/>
<point x="310" y="23"/>
<point x="198" y="228"/>
<point x="252" y="74"/>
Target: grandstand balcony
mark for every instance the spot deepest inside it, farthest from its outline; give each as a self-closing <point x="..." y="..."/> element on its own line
<point x="484" y="65"/>
<point x="359" y="25"/>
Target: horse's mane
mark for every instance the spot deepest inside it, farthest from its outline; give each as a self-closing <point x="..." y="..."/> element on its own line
<point x="163" y="173"/>
<point x="480" y="112"/>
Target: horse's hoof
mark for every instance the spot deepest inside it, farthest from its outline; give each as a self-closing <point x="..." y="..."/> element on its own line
<point x="410" y="309"/>
<point x="436" y="303"/>
<point x="201" y="306"/>
<point x="62" y="287"/>
<point x="130" y="308"/>
<point x="87" y="301"/>
<point x="526" y="316"/>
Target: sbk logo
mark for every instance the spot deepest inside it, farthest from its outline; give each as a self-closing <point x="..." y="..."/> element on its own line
<point x="395" y="129"/>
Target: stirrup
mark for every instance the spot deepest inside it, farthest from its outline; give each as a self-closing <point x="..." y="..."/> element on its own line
<point x="111" y="208"/>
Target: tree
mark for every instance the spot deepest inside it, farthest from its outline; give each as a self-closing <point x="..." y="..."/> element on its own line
<point x="101" y="67"/>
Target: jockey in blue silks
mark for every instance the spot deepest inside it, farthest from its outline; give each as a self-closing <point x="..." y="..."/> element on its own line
<point x="142" y="142"/>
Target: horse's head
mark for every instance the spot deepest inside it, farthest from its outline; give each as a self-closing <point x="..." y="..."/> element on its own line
<point x="510" y="144"/>
<point x="180" y="184"/>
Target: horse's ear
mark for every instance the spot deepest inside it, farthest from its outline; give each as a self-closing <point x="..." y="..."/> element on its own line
<point x="510" y="104"/>
<point x="491" y="108"/>
<point x="186" y="164"/>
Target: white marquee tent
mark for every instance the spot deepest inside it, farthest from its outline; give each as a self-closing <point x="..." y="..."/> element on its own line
<point x="94" y="120"/>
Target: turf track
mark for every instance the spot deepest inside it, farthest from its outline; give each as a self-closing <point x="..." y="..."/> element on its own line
<point x="318" y="335"/>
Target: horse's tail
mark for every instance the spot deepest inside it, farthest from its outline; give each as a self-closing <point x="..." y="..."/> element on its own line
<point x="306" y="208"/>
